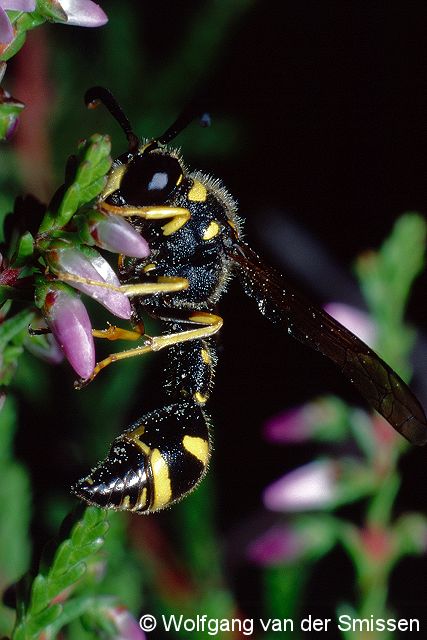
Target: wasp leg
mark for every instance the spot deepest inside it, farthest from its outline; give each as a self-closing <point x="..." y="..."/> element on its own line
<point x="38" y="332"/>
<point x="179" y="215"/>
<point x="210" y="322"/>
<point x="163" y="284"/>
<point x="117" y="333"/>
<point x="161" y="458"/>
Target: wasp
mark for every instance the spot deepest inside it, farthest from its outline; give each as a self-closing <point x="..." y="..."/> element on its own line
<point x="195" y="235"/>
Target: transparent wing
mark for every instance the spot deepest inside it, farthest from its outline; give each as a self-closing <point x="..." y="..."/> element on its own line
<point x="375" y="380"/>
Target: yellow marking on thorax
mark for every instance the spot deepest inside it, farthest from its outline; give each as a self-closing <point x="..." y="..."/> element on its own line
<point x="161" y="480"/>
<point x="197" y="192"/>
<point x="149" y="267"/>
<point x="211" y="231"/>
<point x="206" y="356"/>
<point x="198" y="447"/>
<point x="200" y="398"/>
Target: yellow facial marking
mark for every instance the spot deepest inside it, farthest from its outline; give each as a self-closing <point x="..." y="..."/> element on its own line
<point x="197" y="192"/>
<point x="149" y="267"/>
<point x="205" y="356"/>
<point x="180" y="179"/>
<point x="198" y="447"/>
<point x="162" y="483"/>
<point x="200" y="398"/>
<point x="114" y="180"/>
<point x="211" y="231"/>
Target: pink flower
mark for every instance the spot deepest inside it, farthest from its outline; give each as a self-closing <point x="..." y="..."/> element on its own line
<point x="126" y="625"/>
<point x="357" y="321"/>
<point x="322" y="484"/>
<point x="10" y="109"/>
<point x="91" y="265"/>
<point x="305" y="537"/>
<point x="7" y="32"/>
<point x="311" y="486"/>
<point x="278" y="545"/>
<point x="67" y="318"/>
<point x="82" y="13"/>
<point x="115" y="234"/>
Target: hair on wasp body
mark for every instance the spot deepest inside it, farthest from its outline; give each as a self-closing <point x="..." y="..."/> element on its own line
<point x="191" y="224"/>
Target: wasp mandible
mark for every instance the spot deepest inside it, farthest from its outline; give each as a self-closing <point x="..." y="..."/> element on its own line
<point x="191" y="224"/>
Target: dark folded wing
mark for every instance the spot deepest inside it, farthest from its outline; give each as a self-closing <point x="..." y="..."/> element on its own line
<point x="375" y="380"/>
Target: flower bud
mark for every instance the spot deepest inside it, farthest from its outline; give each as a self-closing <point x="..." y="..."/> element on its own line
<point x="88" y="263"/>
<point x="82" y="13"/>
<point x="305" y="537"/>
<point x="67" y="318"/>
<point x="10" y="109"/>
<point x="7" y="32"/>
<point x="126" y="625"/>
<point x="280" y="544"/>
<point x="322" y="484"/>
<point x="323" y="419"/>
<point x="359" y="322"/>
<point x="115" y="234"/>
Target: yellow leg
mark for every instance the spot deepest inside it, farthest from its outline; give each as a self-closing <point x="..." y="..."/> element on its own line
<point x="179" y="215"/>
<point x="163" y="284"/>
<point x="117" y="333"/>
<point x="211" y="324"/>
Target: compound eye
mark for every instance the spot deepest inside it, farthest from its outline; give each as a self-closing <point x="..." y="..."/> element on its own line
<point x="150" y="179"/>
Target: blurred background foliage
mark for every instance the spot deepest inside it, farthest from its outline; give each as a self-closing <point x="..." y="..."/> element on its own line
<point x="319" y="131"/>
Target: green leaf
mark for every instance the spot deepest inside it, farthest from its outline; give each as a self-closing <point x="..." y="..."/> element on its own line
<point x="93" y="163"/>
<point x="16" y="326"/>
<point x="51" y="10"/>
<point x="68" y="567"/>
<point x="386" y="278"/>
<point x="39" y="594"/>
<point x="25" y="249"/>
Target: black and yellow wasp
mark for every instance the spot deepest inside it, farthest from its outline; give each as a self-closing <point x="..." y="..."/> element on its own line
<point x="191" y="223"/>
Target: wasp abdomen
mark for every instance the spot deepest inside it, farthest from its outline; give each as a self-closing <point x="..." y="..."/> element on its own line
<point x="161" y="458"/>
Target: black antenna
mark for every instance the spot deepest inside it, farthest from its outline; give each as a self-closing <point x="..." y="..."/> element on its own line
<point x="95" y="95"/>
<point x="190" y="113"/>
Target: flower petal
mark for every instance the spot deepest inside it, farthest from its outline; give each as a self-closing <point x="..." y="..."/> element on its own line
<point x="83" y="13"/>
<point x="117" y="235"/>
<point x="19" y="5"/>
<point x="69" y="322"/>
<point x="6" y="30"/>
<point x="126" y="625"/>
<point x="359" y="322"/>
<point x="278" y="545"/>
<point x="74" y="262"/>
<point x="311" y="486"/>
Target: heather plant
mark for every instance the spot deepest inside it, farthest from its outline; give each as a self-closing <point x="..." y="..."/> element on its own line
<point x="309" y="497"/>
